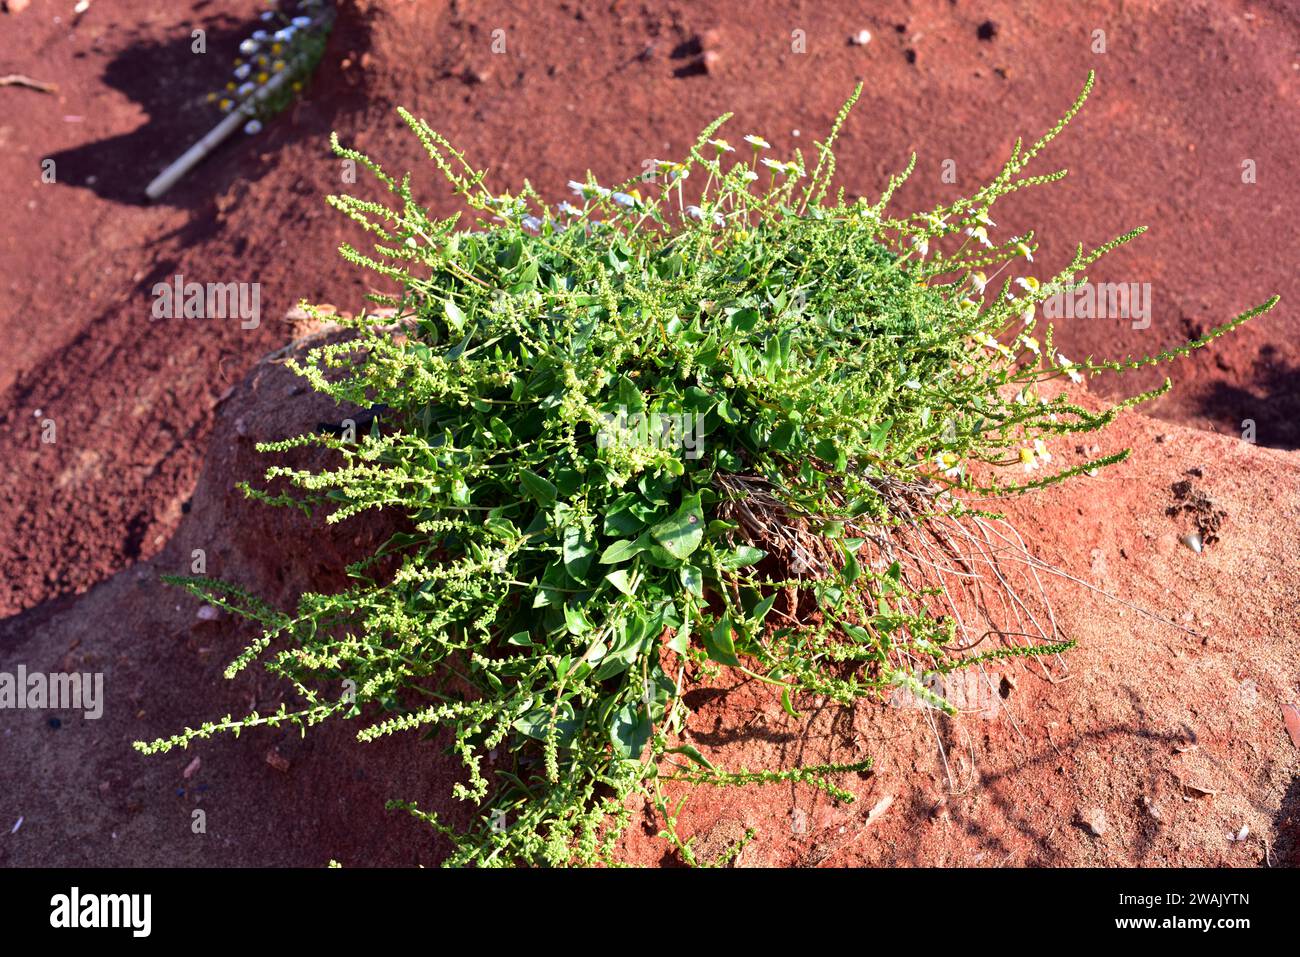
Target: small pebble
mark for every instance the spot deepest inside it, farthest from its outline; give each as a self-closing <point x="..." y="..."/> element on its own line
<point x="861" y="38"/>
<point x="1193" y="542"/>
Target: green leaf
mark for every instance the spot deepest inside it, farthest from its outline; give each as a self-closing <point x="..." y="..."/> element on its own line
<point x="537" y="488"/>
<point x="831" y="453"/>
<point x="578" y="552"/>
<point x="786" y="702"/>
<point x="681" y="639"/>
<point x="621" y="580"/>
<point x="682" y="533"/>
<point x="621" y="551"/>
<point x="692" y="580"/>
<point x="718" y="643"/>
<point x="692" y="753"/>
<point x="879" y="433"/>
<point x="783" y="436"/>
<point x="575" y="620"/>
<point x="742" y="556"/>
<point x="630" y="731"/>
<point x="455" y="318"/>
<point x="762" y="608"/>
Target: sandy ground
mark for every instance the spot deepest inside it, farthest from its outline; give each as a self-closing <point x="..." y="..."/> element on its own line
<point x="1186" y="93"/>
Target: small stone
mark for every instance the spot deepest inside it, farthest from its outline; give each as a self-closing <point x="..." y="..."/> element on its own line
<point x="1095" y="821"/>
<point x="207" y="613"/>
<point x="987" y="30"/>
<point x="1151" y="808"/>
<point x="1291" y="715"/>
<point x="1192" y="541"/>
<point x="16" y="6"/>
<point x="861" y="38"/>
<point x="277" y="760"/>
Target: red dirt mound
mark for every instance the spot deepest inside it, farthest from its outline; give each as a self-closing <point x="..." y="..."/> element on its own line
<point x="1152" y="719"/>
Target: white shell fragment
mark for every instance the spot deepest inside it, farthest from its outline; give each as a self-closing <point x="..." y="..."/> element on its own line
<point x="1192" y="541"/>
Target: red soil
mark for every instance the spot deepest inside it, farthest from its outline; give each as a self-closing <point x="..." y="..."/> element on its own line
<point x="1185" y="93"/>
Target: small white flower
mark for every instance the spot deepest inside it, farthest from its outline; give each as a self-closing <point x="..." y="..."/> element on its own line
<point x="1029" y="284"/>
<point x="1025" y="251"/>
<point x="301" y="22"/>
<point x="587" y="191"/>
<point x="1027" y="459"/>
<point x="260" y="35"/>
<point x="246" y="89"/>
<point x="568" y="208"/>
<point x="748" y="175"/>
<point x="980" y="233"/>
<point x="984" y="218"/>
<point x="1040" y="449"/>
<point x="757" y="142"/>
<point x="722" y="146"/>
<point x="252" y="127"/>
<point x="242" y="71"/>
<point x="625" y="199"/>
<point x="248" y="47"/>
<point x="1027" y="317"/>
<point x="979" y="281"/>
<point x="531" y="223"/>
<point x="948" y="463"/>
<point x="1069" y="368"/>
<point x="285" y="35"/>
<point x="696" y="212"/>
<point x="922" y="244"/>
<point x="1030" y="343"/>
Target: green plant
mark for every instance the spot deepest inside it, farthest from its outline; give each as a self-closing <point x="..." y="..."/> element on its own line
<point x="564" y="573"/>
